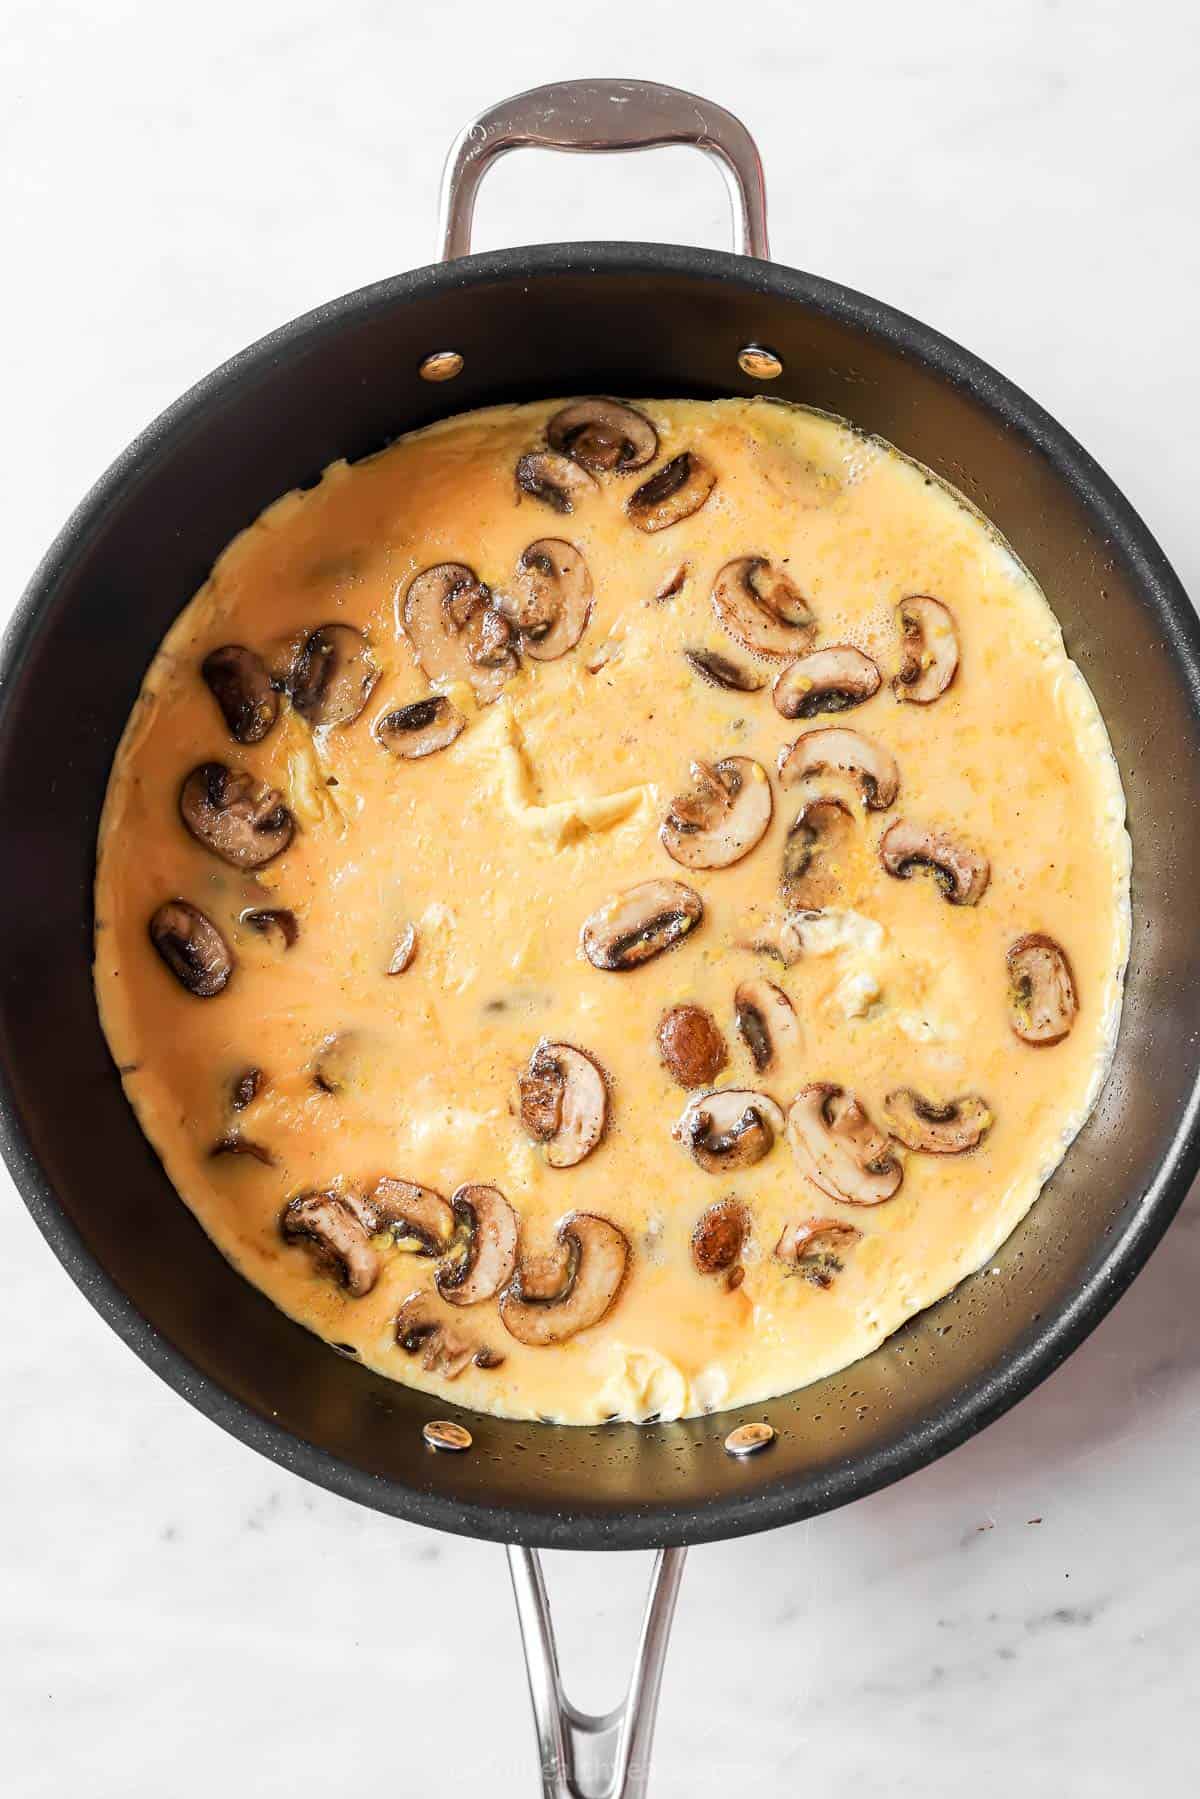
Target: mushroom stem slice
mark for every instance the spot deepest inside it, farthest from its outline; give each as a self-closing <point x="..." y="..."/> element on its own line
<point x="490" y="1256"/>
<point x="1042" y="1000"/>
<point x="719" y="671"/>
<point x="809" y="876"/>
<point x="241" y="686"/>
<point x="420" y="729"/>
<point x="599" y="1260"/>
<point x="640" y="923"/>
<point x="602" y="435"/>
<point x="831" y="680"/>
<point x="192" y="948"/>
<point x="838" y="1147"/>
<point x="723" y="817"/>
<point x="815" y="1247"/>
<point x="677" y="490"/>
<point x="456" y="632"/>
<point x="946" y="1130"/>
<point x="929" y="645"/>
<point x="766" y="1022"/>
<point x="564" y="1102"/>
<point x="553" y="601"/>
<point x="337" y="1229"/>
<point x="555" y="480"/>
<point x="333" y="676"/>
<point x="439" y="1338"/>
<point x="719" y="1236"/>
<point x="846" y="752"/>
<point x="235" y="815"/>
<point x="762" y="608"/>
<point x="729" y="1128"/>
<point x="408" y="1209"/>
<point x="961" y="872"/>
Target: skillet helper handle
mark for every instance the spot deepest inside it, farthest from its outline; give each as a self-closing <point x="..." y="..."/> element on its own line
<point x="583" y="1756"/>
<point x="601" y="116"/>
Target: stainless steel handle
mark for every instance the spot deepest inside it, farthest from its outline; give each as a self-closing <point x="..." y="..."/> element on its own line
<point x="605" y="115"/>
<point x="582" y="1756"/>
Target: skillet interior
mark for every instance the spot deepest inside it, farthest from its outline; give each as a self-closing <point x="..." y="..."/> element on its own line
<point x="634" y="320"/>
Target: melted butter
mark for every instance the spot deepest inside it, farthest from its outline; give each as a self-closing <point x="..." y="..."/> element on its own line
<point x="545" y="807"/>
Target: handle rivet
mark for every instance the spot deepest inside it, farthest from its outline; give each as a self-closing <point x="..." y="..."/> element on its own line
<point x="748" y="1439"/>
<point x="760" y="364"/>
<point x="443" y="365"/>
<point x="439" y="1433"/>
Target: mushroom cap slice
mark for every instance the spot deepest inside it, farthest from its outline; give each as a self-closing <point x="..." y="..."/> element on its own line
<point x="815" y="1247"/>
<point x="420" y="729"/>
<point x="553" y="601"/>
<point x="719" y="1236"/>
<point x="192" y="948"/>
<point x="809" y="876"/>
<point x="457" y="633"/>
<point x="337" y="1228"/>
<point x="766" y="1022"/>
<point x="273" y="921"/>
<point x="831" y="680"/>
<point x="719" y="671"/>
<point x="779" y="938"/>
<point x="729" y="1128"/>
<point x="410" y="1210"/>
<point x="691" y="1045"/>
<point x="679" y="488"/>
<point x="946" y="1130"/>
<point x="722" y="817"/>
<point x="640" y="923"/>
<point x="929" y="645"/>
<point x="846" y="752"/>
<point x="333" y="676"/>
<point x="762" y="608"/>
<point x="598" y="1260"/>
<point x="445" y="1346"/>
<point x="603" y="435"/>
<point x="1042" y="1000"/>
<point x="242" y="688"/>
<point x="564" y="1102"/>
<point x="491" y="1248"/>
<point x="235" y="815"/>
<point x="839" y="1148"/>
<point x="555" y="480"/>
<point x="961" y="872"/>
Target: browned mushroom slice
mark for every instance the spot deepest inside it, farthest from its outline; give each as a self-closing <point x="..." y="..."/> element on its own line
<point x="766" y="1022"/>
<point x="490" y="1253"/>
<point x="235" y="1144"/>
<point x="961" y="872"/>
<point x="678" y="489"/>
<point x="640" y="923"/>
<point x="948" y="1130"/>
<point x="820" y="832"/>
<point x="337" y="1229"/>
<point x="420" y="729"/>
<point x="445" y="1346"/>
<point x="603" y="435"/>
<point x="242" y="689"/>
<point x="555" y="480"/>
<point x="276" y="922"/>
<point x="1042" y="1001"/>
<point x="831" y="680"/>
<point x="456" y="632"/>
<point x="719" y="1236"/>
<point x="815" y="1247"/>
<point x="719" y="671"/>
<point x="846" y="752"/>
<point x="246" y="1087"/>
<point x="333" y="676"/>
<point x="929" y="642"/>
<point x="839" y="1148"/>
<point x="235" y="815"/>
<point x="409" y="1210"/>
<point x="406" y="948"/>
<point x="192" y="948"/>
<point x="760" y="606"/>
<point x="553" y="601"/>
<point x="729" y="1128"/>
<point x="564" y="1102"/>
<point x="691" y="1045"/>
<point x="598" y="1260"/>
<point x="722" y="817"/>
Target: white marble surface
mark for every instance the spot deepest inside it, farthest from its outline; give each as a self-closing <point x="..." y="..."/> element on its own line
<point x="179" y="178"/>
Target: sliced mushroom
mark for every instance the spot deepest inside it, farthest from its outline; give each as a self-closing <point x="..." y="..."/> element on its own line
<point x="760" y="606"/>
<point x="719" y="671"/>
<point x="603" y="435"/>
<point x="929" y="642"/>
<point x="598" y="1260"/>
<point x="457" y="633"/>
<point x="1042" y="1001"/>
<point x="719" y="1236"/>
<point x="640" y="923"/>
<point x="948" y="1130"/>
<point x="691" y="1045"/>
<point x="444" y="1345"/>
<point x="278" y="922"/>
<point x="677" y="490"/>
<point x="818" y="835"/>
<point x="408" y="1209"/>
<point x="723" y="816"/>
<point x="961" y="872"/>
<point x="674" y="584"/>
<point x="333" y="676"/>
<point x="490" y="1253"/>
<point x="564" y="1102"/>
<point x="405" y="950"/>
<point x="246" y="1088"/>
<point x="336" y="1062"/>
<point x="555" y="480"/>
<point x="420" y="729"/>
<point x="242" y="689"/>
<point x="847" y="752"/>
<point x="337" y="1229"/>
<point x="553" y="601"/>
<point x="235" y="815"/>
<point x="766" y="1022"/>
<point x="729" y="1128"/>
<point x="839" y="1148"/>
<point x="779" y="938"/>
<point x="192" y="948"/>
<point x="815" y="1247"/>
<point x="831" y="680"/>
<point x="235" y="1144"/>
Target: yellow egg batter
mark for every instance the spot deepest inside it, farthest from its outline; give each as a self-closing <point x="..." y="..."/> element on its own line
<point x="472" y="870"/>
